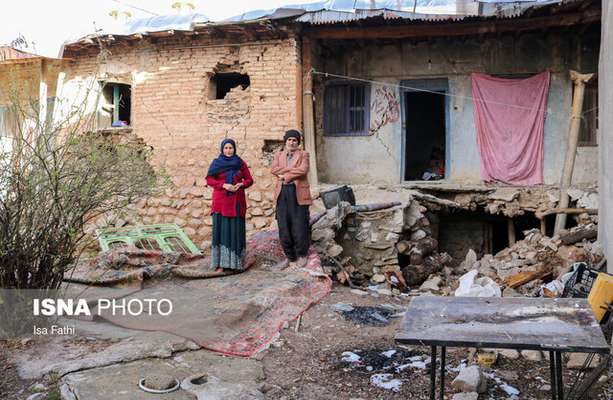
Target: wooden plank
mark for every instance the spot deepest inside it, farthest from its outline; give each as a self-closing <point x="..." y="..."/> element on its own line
<point x="578" y="234"/>
<point x="524" y="277"/>
<point x="436" y="29"/>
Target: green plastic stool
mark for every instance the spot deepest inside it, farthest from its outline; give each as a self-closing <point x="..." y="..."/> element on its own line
<point x="159" y="237"/>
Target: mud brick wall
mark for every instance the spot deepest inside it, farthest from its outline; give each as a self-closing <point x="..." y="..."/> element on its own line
<point x="172" y="111"/>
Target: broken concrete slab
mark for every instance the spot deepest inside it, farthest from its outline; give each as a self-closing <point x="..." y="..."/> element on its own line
<point x="504" y="194"/>
<point x="209" y="387"/>
<point x="62" y="357"/>
<point x="120" y="381"/>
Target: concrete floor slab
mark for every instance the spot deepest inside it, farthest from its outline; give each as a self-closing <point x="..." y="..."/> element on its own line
<point x="120" y="381"/>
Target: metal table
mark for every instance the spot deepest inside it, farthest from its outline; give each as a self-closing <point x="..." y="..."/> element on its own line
<point x="554" y="325"/>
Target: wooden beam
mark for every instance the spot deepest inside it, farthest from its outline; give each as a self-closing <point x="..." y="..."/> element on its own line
<point x="571" y="150"/>
<point x="511" y="231"/>
<point x="299" y="88"/>
<point x="436" y="29"/>
<point x="307" y="109"/>
<point x="524" y="277"/>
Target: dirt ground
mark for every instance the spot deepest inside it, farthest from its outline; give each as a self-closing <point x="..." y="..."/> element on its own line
<point x="307" y="364"/>
<point x="12" y="387"/>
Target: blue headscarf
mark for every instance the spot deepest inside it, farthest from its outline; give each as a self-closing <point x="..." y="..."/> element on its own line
<point x="229" y="165"/>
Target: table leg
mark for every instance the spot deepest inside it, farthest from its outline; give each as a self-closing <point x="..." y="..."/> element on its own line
<point x="552" y="367"/>
<point x="433" y="374"/>
<point x="560" y="382"/>
<point x="443" y="354"/>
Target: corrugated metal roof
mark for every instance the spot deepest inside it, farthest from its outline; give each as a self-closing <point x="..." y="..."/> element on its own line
<point x="178" y="22"/>
<point x="331" y="17"/>
<point x="504" y="9"/>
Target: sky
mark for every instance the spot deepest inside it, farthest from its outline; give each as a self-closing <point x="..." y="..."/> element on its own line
<point x="49" y="23"/>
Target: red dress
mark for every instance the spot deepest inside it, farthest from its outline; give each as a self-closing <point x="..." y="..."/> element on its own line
<point x="224" y="204"/>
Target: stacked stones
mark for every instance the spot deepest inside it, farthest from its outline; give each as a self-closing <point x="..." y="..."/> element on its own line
<point x="369" y="240"/>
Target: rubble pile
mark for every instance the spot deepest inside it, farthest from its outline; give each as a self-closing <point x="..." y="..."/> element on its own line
<point x="364" y="244"/>
<point x="526" y="265"/>
<point x="393" y="246"/>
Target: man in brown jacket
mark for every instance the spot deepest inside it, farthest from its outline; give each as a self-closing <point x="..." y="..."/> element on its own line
<point x="293" y="197"/>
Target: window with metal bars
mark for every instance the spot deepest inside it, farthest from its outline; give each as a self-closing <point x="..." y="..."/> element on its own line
<point x="346" y="109"/>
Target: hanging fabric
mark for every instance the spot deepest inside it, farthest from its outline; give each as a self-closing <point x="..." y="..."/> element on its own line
<point x="510" y="117"/>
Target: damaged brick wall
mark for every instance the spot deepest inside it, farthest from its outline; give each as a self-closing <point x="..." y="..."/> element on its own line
<point x="173" y="113"/>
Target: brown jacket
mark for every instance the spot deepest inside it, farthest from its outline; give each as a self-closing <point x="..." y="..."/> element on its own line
<point x="296" y="173"/>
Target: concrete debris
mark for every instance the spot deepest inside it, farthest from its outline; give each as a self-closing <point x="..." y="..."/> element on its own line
<point x="511" y="354"/>
<point x="432" y="284"/>
<point x="532" y="355"/>
<point x="470" y="379"/>
<point x="504" y="194"/>
<point x="468" y="263"/>
<point x="578" y="360"/>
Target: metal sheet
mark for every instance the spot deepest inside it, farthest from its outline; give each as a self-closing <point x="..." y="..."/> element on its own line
<point x="519" y="323"/>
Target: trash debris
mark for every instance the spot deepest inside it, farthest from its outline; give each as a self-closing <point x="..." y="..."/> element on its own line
<point x="487" y="358"/>
<point x="389" y="353"/>
<point x="552" y="289"/>
<point x="386" y="381"/>
<point x="350" y="357"/>
<point x="480" y="287"/>
<point x="366" y="315"/>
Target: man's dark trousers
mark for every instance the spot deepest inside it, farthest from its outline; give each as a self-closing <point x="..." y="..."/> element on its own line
<point x="293" y="221"/>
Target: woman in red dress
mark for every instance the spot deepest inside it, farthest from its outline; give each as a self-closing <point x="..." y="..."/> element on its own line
<point x="229" y="176"/>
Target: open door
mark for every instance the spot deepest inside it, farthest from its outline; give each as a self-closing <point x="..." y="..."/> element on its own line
<point x="424" y="129"/>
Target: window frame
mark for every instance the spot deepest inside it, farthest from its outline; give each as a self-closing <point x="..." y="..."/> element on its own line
<point x="347" y="108"/>
<point x="115" y="84"/>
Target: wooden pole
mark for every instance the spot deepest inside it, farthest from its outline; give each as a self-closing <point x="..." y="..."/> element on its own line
<point x="511" y="231"/>
<point x="571" y="151"/>
<point x="299" y="94"/>
<point x="307" y="109"/>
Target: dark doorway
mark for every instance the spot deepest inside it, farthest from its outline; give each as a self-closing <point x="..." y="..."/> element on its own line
<point x="424" y="136"/>
<point x="482" y="232"/>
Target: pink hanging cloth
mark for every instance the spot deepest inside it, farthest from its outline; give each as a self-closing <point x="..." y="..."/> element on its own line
<point x="510" y="119"/>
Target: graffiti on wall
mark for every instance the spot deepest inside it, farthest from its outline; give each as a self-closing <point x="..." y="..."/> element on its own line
<point x="385" y="108"/>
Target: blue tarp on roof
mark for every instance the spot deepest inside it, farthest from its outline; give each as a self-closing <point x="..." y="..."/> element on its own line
<point x="179" y="22"/>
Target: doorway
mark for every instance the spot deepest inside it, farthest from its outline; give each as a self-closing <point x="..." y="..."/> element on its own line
<point x="424" y="129"/>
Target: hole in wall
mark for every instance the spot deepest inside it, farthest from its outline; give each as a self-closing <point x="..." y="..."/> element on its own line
<point x="222" y="83"/>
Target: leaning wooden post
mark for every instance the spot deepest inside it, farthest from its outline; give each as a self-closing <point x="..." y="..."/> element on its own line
<point x="571" y="151"/>
<point x="307" y="109"/>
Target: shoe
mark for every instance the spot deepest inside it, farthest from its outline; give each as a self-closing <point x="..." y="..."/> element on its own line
<point x="301" y="262"/>
<point x="282" y="264"/>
